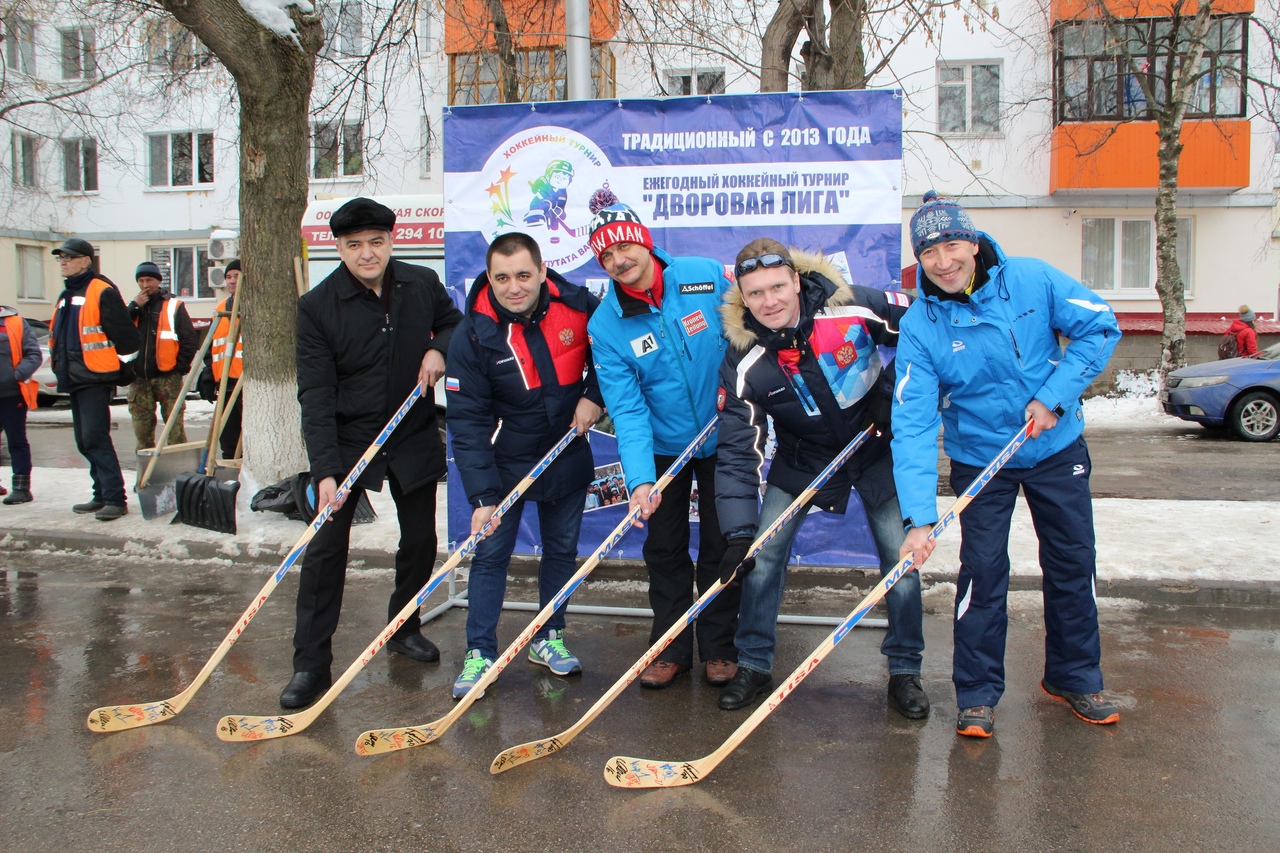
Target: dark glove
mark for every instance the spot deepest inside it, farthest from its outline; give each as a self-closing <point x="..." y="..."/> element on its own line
<point x="733" y="558"/>
<point x="206" y="387"/>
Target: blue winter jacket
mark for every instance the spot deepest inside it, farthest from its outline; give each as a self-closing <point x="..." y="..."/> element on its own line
<point x="975" y="365"/>
<point x="658" y="369"/>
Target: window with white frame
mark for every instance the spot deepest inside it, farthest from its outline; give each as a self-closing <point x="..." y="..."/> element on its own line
<point x="694" y="81"/>
<point x="26" y="160"/>
<point x="184" y="270"/>
<point x="80" y="165"/>
<point x="79" y="61"/>
<point x="969" y="98"/>
<point x="173" y="49"/>
<point x="1120" y="254"/>
<point x="474" y="78"/>
<point x="343" y="28"/>
<point x="337" y="150"/>
<point x="20" y="45"/>
<point x="31" y="272"/>
<point x="181" y="159"/>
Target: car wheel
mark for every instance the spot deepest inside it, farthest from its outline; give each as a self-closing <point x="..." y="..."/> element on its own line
<point x="1256" y="416"/>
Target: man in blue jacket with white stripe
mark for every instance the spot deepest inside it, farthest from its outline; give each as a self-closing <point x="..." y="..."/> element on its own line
<point x="657" y="347"/>
<point x="979" y="352"/>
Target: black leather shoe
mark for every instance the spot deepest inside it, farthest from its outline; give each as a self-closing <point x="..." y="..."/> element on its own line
<point x="88" y="507"/>
<point x="907" y="696"/>
<point x="303" y="689"/>
<point x="743" y="689"/>
<point x="415" y="646"/>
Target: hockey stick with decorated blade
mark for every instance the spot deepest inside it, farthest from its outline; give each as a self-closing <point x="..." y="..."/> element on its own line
<point x="625" y="772"/>
<point x="533" y="750"/>
<point x="115" y="718"/>
<point x="247" y="729"/>
<point x="379" y="741"/>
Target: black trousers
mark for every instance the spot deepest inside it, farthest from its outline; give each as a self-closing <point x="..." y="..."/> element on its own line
<point x="673" y="576"/>
<point x="230" y="438"/>
<point x="91" y="425"/>
<point x="13" y="420"/>
<point x="324" y="572"/>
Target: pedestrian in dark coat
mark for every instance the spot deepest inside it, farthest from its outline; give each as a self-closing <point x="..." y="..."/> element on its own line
<point x="20" y="357"/>
<point x="367" y="334"/>
<point x="168" y="346"/>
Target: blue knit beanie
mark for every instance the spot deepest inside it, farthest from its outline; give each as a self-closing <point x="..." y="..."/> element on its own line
<point x="938" y="220"/>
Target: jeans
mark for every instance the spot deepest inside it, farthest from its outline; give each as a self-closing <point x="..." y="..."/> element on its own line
<point x="91" y="425"/>
<point x="559" y="522"/>
<point x="763" y="586"/>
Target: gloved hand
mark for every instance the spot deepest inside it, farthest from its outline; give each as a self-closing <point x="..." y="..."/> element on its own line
<point x="733" y="558"/>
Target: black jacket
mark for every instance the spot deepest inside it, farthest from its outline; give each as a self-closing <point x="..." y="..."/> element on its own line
<point x="64" y="338"/>
<point x="145" y="366"/>
<point x="513" y="386"/>
<point x="356" y="366"/>
<point x="840" y="388"/>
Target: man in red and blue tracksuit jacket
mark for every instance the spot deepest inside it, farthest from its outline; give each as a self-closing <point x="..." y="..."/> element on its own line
<point x="520" y="376"/>
<point x="979" y="354"/>
<point x="657" y="346"/>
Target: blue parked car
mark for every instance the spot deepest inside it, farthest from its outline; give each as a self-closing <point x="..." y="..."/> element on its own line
<point x="1242" y="393"/>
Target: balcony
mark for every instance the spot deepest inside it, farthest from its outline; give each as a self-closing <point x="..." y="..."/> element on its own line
<point x="1110" y="156"/>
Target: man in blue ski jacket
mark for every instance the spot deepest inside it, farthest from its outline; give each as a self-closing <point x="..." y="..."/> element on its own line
<point x="520" y="376"/>
<point x="979" y="352"/>
<point x="657" y="347"/>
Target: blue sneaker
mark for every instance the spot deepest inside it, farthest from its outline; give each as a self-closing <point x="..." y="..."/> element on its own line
<point x="552" y="654"/>
<point x="474" y="666"/>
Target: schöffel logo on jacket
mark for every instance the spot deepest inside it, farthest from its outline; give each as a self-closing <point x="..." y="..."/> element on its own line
<point x="698" y="287"/>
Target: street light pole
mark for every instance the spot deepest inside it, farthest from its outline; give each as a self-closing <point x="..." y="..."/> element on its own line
<point x="577" y="48"/>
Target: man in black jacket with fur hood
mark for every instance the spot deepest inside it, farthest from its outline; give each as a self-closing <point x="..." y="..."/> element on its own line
<point x="804" y="352"/>
<point x="367" y="334"/>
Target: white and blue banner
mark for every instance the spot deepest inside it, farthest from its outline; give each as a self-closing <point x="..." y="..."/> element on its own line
<point x="820" y="171"/>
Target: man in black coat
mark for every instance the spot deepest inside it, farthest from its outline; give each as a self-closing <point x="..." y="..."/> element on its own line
<point x="367" y="334"/>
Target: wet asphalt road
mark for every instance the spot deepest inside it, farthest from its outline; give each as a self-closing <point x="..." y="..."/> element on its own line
<point x="1191" y="766"/>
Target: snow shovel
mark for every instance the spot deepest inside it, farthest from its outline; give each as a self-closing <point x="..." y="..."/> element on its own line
<point x="204" y="500"/>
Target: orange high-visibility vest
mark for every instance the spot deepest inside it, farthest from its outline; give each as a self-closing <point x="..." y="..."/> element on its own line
<point x="166" y="335"/>
<point x="98" y="350"/>
<point x="221" y="346"/>
<point x="30" y="388"/>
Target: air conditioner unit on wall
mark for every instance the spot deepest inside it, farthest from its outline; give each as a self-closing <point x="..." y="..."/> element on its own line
<point x="217" y="277"/>
<point x="223" y="248"/>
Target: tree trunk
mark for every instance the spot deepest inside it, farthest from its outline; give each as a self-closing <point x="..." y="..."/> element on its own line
<point x="507" y="71"/>
<point x="844" y="35"/>
<point x="776" y="46"/>
<point x="1169" y="285"/>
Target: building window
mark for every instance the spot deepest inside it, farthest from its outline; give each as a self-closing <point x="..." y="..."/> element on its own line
<point x="26" y="160"/>
<point x="474" y="77"/>
<point x="1100" y="80"/>
<point x="173" y="49"/>
<point x="181" y="159"/>
<point x="78" y="59"/>
<point x="184" y="270"/>
<point x="31" y="272"/>
<point x="1120" y="254"/>
<point x="969" y="98"/>
<point x="80" y="165"/>
<point x="338" y="150"/>
<point x="20" y="45"/>
<point x="695" y="81"/>
<point x="343" y="28"/>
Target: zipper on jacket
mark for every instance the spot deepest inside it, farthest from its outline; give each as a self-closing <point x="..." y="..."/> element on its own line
<point x="1017" y="352"/>
<point x="684" y="374"/>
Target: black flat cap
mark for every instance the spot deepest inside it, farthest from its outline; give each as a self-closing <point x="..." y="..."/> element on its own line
<point x="74" y="246"/>
<point x="361" y="214"/>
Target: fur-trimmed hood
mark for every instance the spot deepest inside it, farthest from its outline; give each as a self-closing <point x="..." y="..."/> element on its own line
<point x="821" y="284"/>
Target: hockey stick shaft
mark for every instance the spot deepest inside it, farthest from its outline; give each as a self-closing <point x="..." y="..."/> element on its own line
<point x="377" y="741"/>
<point x="113" y="718"/>
<point x="625" y="772"/>
<point x="534" y="750"/>
<point x="245" y="728"/>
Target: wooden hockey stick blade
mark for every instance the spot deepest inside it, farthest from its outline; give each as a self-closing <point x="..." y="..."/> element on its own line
<point x="533" y="750"/>
<point x="245" y="729"/>
<point x="115" y="718"/>
<point x="380" y="741"/>
<point x="626" y="772"/>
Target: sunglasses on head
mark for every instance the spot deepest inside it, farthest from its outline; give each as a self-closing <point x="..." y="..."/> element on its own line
<point x="749" y="265"/>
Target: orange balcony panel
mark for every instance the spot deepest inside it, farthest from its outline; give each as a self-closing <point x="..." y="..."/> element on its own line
<point x="1093" y="156"/>
<point x="468" y="25"/>
<point x="1081" y="10"/>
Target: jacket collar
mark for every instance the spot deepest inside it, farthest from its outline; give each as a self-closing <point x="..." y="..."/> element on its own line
<point x="351" y="287"/>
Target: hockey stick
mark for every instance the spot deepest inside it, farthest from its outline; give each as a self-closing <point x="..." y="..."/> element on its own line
<point x="240" y="729"/>
<point x="624" y="772"/>
<point x="378" y="741"/>
<point x="114" y="718"/>
<point x="534" y="750"/>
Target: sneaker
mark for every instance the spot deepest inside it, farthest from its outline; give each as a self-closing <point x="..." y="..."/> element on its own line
<point x="552" y="654"/>
<point x="474" y="666"/>
<point x="978" y="721"/>
<point x="1090" y="707"/>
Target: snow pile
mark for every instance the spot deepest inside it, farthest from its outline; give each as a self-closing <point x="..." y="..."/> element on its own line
<point x="1135" y="404"/>
<point x="274" y="15"/>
